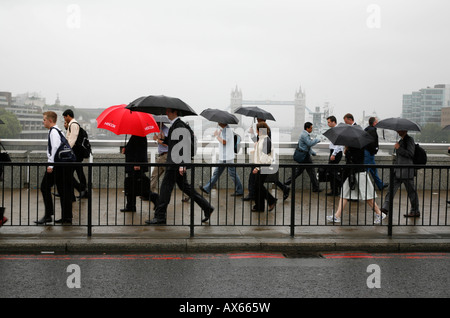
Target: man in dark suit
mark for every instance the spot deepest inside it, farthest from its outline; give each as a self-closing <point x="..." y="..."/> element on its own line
<point x="136" y="151"/>
<point x="179" y="146"/>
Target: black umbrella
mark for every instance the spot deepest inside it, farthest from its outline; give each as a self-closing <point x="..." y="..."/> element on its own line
<point x="351" y="136"/>
<point x="398" y="124"/>
<point x="446" y="127"/>
<point x="157" y="105"/>
<point x="219" y="116"/>
<point x="255" y="112"/>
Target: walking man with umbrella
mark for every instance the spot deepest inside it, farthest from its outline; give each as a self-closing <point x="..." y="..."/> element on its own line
<point x="404" y="154"/>
<point x="225" y="137"/>
<point x="178" y="141"/>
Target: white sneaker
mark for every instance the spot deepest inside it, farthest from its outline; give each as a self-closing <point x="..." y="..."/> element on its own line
<point x="332" y="218"/>
<point x="378" y="218"/>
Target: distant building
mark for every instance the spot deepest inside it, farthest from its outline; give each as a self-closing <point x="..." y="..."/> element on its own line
<point x="425" y="105"/>
<point x="445" y="118"/>
<point x="5" y="99"/>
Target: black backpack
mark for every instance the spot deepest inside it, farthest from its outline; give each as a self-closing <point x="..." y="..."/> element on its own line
<point x="82" y="145"/>
<point x="420" y="156"/>
<point x="64" y="153"/>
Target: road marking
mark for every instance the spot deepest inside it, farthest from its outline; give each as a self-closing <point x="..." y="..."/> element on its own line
<point x="349" y="255"/>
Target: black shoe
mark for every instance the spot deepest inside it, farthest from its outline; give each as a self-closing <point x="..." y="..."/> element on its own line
<point x="384" y="211"/>
<point x="237" y="194"/>
<point x="207" y="215"/>
<point x="286" y="192"/>
<point x="248" y="198"/>
<point x="65" y="221"/>
<point x="317" y="190"/>
<point x="333" y="194"/>
<point x="448" y="202"/>
<point x="412" y="215"/>
<point x="128" y="210"/>
<point x="45" y="219"/>
<point x="155" y="221"/>
<point x="203" y="190"/>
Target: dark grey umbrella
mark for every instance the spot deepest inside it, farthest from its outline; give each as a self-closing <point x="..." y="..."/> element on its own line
<point x="398" y="124"/>
<point x="351" y="136"/>
<point x="161" y="118"/>
<point x="255" y="112"/>
<point x="446" y="127"/>
<point x="157" y="105"/>
<point x="219" y="116"/>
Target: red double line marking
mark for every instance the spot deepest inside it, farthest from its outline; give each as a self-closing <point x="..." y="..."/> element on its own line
<point x="386" y="255"/>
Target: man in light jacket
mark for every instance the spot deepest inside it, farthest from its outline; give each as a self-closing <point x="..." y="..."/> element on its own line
<point x="305" y="145"/>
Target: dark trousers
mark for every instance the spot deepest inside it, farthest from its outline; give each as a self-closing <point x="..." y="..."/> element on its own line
<point x="261" y="193"/>
<point x="81" y="185"/>
<point x="62" y="178"/>
<point x="311" y="172"/>
<point x="171" y="177"/>
<point x="333" y="174"/>
<point x="410" y="189"/>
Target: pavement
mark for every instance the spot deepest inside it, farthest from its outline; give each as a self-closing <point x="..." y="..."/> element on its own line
<point x="221" y="239"/>
<point x="21" y="235"/>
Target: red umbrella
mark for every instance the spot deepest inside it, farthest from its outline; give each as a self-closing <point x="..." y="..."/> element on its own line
<point x="122" y="121"/>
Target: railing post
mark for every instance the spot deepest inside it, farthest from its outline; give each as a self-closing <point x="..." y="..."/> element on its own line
<point x="192" y="202"/>
<point x="391" y="200"/>
<point x="293" y="202"/>
<point x="89" y="191"/>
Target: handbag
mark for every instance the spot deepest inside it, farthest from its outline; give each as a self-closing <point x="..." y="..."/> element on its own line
<point x="299" y="155"/>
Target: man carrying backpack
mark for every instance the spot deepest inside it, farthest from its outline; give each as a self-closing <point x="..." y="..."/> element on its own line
<point x="73" y="130"/>
<point x="59" y="175"/>
<point x="404" y="155"/>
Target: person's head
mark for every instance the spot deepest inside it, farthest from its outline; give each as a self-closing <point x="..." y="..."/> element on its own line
<point x="373" y="121"/>
<point x="402" y="133"/>
<point x="49" y="119"/>
<point x="68" y="115"/>
<point x="262" y="129"/>
<point x="171" y="113"/>
<point x="308" y="126"/>
<point x="331" y="121"/>
<point x="348" y="119"/>
<point x="260" y="120"/>
<point x="222" y="125"/>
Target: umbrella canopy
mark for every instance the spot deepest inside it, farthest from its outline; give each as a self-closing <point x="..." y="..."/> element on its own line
<point x="351" y="136"/>
<point x="398" y="124"/>
<point x="157" y="105"/>
<point x="446" y="127"/>
<point x="123" y="121"/>
<point x="255" y="112"/>
<point x="219" y="116"/>
<point x="161" y="118"/>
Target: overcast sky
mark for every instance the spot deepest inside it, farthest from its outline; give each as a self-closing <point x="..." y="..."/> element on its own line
<point x="354" y="54"/>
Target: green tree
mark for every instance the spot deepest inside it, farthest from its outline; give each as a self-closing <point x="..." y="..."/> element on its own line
<point x="11" y="127"/>
<point x="433" y="133"/>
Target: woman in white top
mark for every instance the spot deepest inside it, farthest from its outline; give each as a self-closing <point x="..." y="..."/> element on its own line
<point x="262" y="154"/>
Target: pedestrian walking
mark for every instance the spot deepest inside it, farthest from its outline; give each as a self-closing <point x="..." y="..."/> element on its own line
<point x="336" y="152"/>
<point x="176" y="172"/>
<point x="136" y="182"/>
<point x="371" y="150"/>
<point x="349" y="119"/>
<point x="305" y="144"/>
<point x="356" y="186"/>
<point x="73" y="129"/>
<point x="162" y="157"/>
<point x="56" y="175"/>
<point x="225" y="137"/>
<point x="404" y="154"/>
<point x="262" y="154"/>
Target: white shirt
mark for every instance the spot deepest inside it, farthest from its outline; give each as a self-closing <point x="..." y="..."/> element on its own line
<point x="55" y="142"/>
<point x="226" y="152"/>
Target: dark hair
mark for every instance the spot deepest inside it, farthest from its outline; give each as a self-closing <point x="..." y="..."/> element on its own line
<point x="263" y="125"/>
<point x="372" y="121"/>
<point x="349" y="116"/>
<point x="307" y="125"/>
<point x="68" y="112"/>
<point x="332" y="119"/>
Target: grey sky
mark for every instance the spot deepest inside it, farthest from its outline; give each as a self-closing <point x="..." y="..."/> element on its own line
<point x="103" y="53"/>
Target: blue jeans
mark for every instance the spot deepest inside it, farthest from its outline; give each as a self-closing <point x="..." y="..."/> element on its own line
<point x="218" y="172"/>
<point x="370" y="160"/>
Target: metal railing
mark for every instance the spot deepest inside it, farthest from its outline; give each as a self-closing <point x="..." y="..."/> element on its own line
<point x="22" y="198"/>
